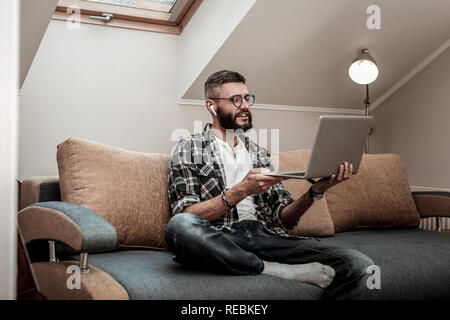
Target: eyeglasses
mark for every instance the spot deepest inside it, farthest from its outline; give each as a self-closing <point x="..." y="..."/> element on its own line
<point x="237" y="99"/>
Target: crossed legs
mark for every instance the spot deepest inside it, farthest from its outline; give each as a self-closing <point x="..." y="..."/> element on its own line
<point x="252" y="250"/>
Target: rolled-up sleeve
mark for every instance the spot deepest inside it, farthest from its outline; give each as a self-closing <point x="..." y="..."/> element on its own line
<point x="183" y="184"/>
<point x="282" y="198"/>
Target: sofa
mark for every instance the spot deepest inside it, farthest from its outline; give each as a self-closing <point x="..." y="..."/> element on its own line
<point x="96" y="231"/>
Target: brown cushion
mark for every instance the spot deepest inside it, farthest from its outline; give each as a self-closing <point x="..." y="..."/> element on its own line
<point x="316" y="221"/>
<point x="432" y="205"/>
<point x="377" y="196"/>
<point x="128" y="189"/>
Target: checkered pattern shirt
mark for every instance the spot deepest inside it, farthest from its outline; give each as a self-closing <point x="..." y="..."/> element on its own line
<point x="196" y="174"/>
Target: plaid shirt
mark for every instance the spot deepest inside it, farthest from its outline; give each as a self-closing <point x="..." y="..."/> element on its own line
<point x="196" y="174"/>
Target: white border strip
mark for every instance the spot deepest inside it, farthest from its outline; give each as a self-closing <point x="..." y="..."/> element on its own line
<point x="276" y="107"/>
<point x="419" y="188"/>
<point x="9" y="80"/>
<point x="410" y="75"/>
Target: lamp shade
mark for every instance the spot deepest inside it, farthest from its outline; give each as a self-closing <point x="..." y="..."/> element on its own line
<point x="364" y="69"/>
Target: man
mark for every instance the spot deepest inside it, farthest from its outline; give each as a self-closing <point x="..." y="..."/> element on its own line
<point x="229" y="216"/>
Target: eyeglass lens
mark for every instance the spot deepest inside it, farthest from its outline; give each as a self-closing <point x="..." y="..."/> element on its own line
<point x="237" y="100"/>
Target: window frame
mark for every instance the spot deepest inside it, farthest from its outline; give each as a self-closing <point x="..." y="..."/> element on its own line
<point x="130" y="18"/>
<point x="150" y="3"/>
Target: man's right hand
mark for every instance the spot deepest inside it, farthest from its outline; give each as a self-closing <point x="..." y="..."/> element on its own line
<point x="256" y="182"/>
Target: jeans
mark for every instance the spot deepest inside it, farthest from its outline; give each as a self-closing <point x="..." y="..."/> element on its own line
<point x="197" y="244"/>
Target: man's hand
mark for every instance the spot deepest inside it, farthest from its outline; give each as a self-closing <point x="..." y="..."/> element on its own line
<point x="292" y="212"/>
<point x="345" y="173"/>
<point x="256" y="182"/>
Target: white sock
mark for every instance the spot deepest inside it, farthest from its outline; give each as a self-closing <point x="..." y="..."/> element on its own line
<point x="314" y="272"/>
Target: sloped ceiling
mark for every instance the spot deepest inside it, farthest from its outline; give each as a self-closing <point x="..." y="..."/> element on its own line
<point x="297" y="52"/>
<point x="34" y="19"/>
<point x="194" y="54"/>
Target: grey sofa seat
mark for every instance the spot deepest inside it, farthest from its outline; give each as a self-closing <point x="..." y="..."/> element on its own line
<point x="413" y="264"/>
<point x="151" y="274"/>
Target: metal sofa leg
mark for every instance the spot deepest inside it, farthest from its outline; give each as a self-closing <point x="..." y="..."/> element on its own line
<point x="84" y="263"/>
<point x="52" y="251"/>
<point x="83" y="257"/>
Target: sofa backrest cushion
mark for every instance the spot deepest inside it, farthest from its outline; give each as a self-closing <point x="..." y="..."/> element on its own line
<point x="377" y="196"/>
<point x="128" y="189"/>
<point x="316" y="221"/>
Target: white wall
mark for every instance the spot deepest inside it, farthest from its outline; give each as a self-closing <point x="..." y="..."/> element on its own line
<point x="111" y="85"/>
<point x="9" y="77"/>
<point x="414" y="123"/>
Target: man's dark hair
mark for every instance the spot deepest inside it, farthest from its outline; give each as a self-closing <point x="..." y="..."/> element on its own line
<point x="219" y="78"/>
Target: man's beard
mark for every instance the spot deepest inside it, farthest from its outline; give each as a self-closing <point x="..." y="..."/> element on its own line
<point x="228" y="121"/>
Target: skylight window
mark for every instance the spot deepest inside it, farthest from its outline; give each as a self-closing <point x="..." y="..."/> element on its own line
<point x="167" y="16"/>
<point x="155" y="5"/>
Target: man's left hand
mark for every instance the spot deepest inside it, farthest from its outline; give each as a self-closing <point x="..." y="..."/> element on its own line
<point x="345" y="173"/>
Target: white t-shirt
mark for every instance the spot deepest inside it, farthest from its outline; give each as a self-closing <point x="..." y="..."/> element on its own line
<point x="236" y="164"/>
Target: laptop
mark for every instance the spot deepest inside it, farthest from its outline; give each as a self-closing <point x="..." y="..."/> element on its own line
<point x="338" y="139"/>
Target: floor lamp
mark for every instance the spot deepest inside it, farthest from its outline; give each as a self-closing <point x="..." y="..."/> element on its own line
<point x="364" y="70"/>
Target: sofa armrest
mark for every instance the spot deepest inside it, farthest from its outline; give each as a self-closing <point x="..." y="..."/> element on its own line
<point x="38" y="189"/>
<point x="432" y="203"/>
<point x="78" y="227"/>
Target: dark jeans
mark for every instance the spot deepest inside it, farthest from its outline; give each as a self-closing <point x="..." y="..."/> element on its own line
<point x="197" y="244"/>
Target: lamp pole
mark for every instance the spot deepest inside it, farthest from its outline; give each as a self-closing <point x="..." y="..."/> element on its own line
<point x="367" y="102"/>
<point x="364" y="70"/>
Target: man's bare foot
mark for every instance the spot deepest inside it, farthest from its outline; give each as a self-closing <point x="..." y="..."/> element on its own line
<point x="316" y="273"/>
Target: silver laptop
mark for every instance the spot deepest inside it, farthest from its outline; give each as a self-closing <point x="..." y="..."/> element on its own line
<point x="338" y="139"/>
